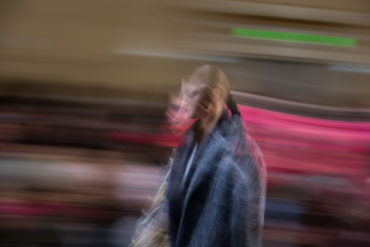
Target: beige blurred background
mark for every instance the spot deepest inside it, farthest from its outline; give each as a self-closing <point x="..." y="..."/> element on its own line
<point x="116" y="48"/>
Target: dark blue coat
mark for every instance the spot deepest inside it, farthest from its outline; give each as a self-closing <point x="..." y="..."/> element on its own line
<point x="222" y="200"/>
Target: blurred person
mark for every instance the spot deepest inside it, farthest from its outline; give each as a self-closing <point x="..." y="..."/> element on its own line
<point x="214" y="192"/>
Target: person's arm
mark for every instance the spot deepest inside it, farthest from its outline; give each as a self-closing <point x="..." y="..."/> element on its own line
<point x="247" y="221"/>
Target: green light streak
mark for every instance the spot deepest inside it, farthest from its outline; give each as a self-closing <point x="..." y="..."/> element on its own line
<point x="294" y="37"/>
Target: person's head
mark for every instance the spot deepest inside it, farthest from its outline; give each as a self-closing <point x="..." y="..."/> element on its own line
<point x="206" y="91"/>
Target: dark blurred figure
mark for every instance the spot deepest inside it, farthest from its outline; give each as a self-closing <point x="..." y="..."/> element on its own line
<point x="215" y="190"/>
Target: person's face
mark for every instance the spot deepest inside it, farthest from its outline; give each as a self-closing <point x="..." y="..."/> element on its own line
<point x="197" y="99"/>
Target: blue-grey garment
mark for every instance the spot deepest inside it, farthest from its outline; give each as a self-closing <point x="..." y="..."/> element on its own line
<point x="221" y="202"/>
<point x="189" y="163"/>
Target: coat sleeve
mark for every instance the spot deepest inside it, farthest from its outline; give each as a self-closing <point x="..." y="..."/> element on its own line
<point x="246" y="225"/>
